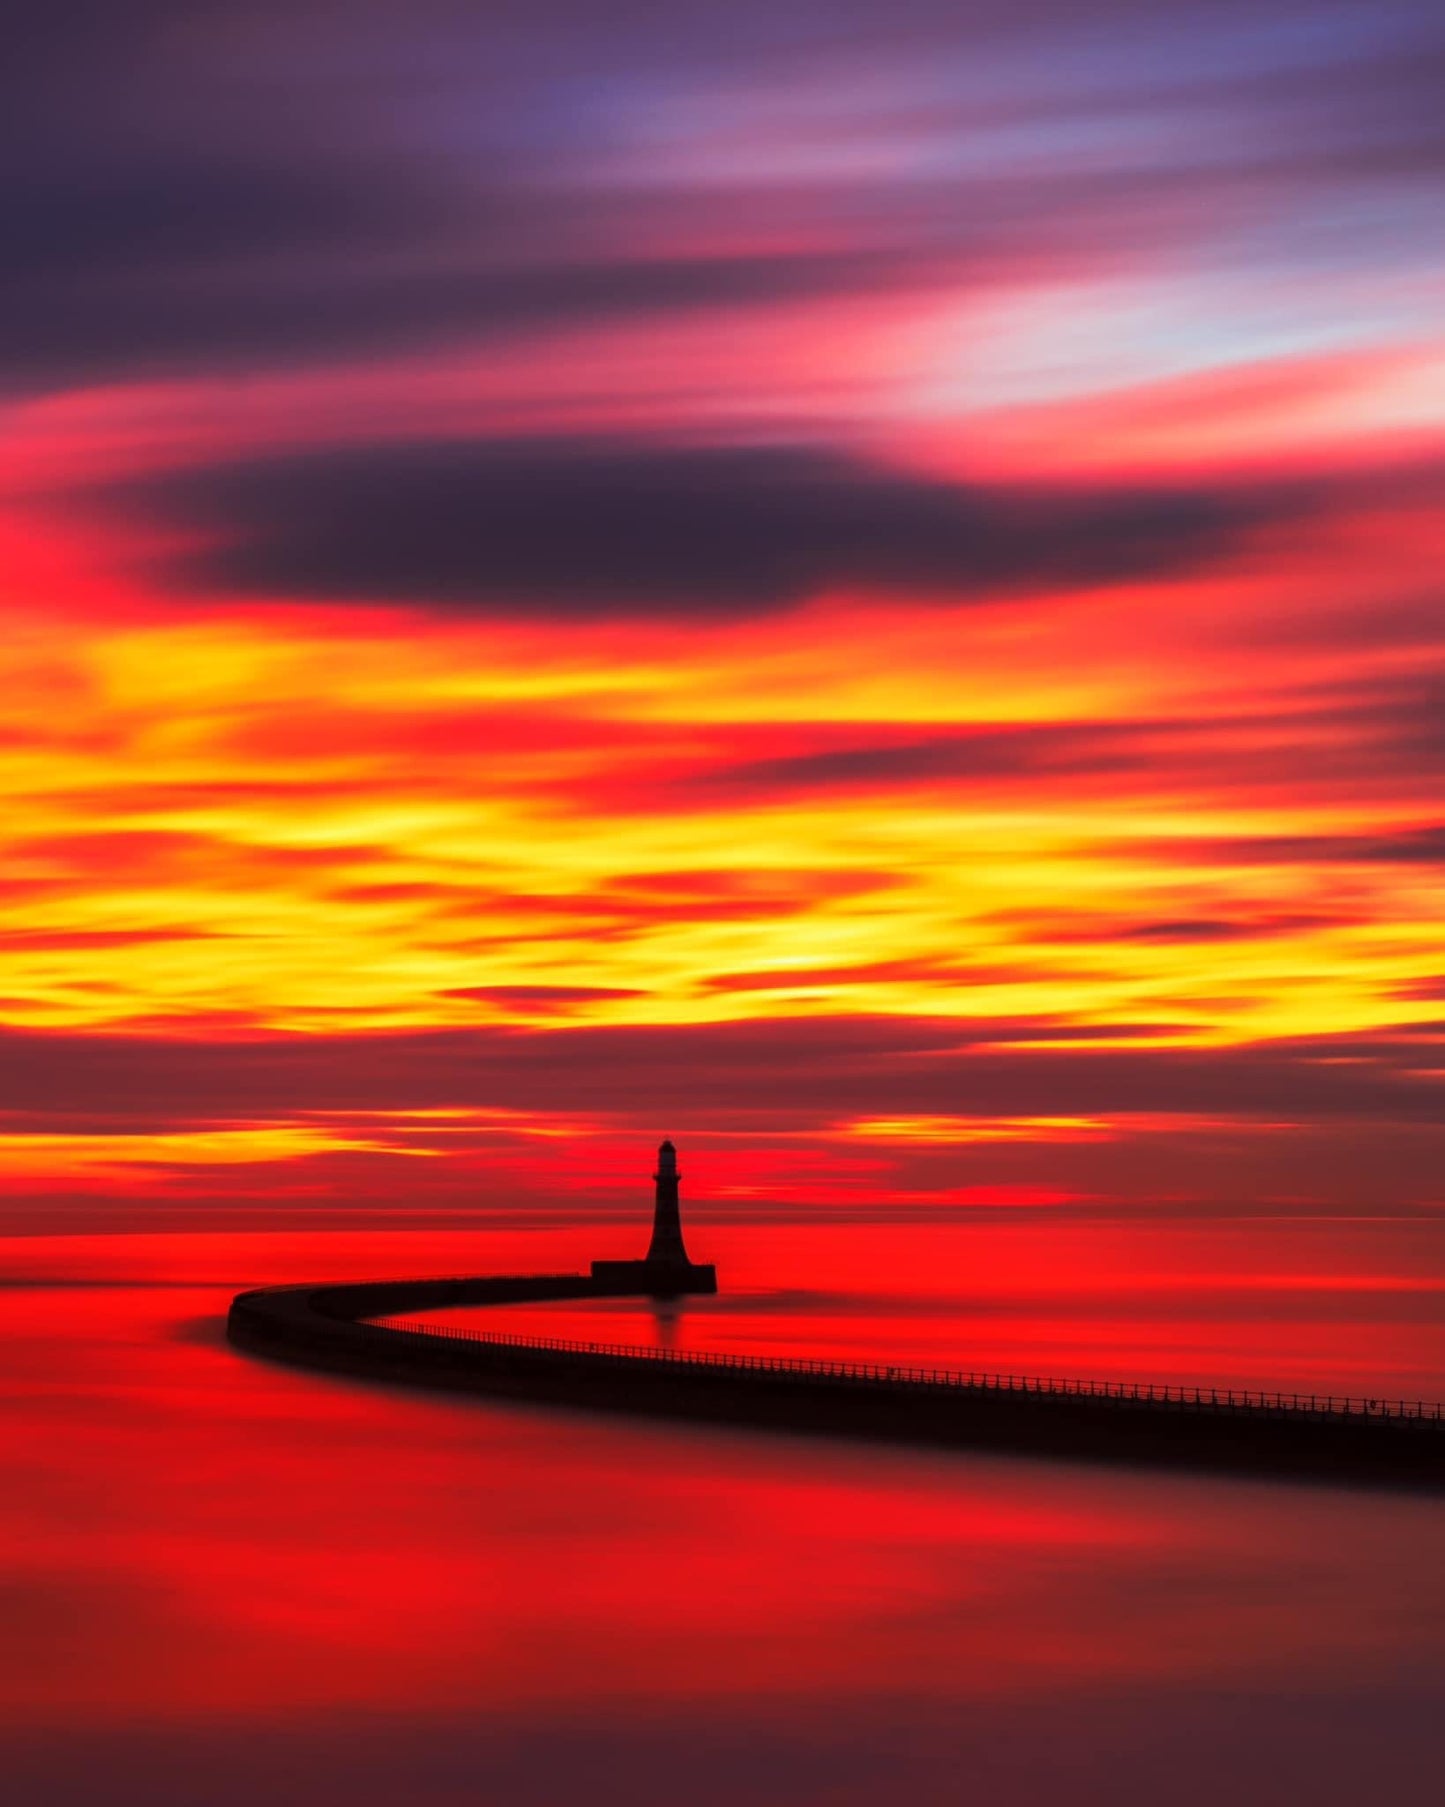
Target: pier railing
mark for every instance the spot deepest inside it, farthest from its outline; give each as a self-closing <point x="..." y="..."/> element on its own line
<point x="895" y="1376"/>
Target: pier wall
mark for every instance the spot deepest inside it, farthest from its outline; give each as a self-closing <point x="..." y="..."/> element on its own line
<point x="328" y="1327"/>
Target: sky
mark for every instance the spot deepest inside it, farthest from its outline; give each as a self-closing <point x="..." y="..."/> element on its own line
<point x="856" y="584"/>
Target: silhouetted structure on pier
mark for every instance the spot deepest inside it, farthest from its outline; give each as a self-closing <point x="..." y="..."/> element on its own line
<point x="666" y="1218"/>
<point x="666" y="1270"/>
<point x="330" y="1327"/>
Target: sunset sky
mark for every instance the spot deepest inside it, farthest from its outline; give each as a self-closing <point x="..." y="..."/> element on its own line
<point x="857" y="585"/>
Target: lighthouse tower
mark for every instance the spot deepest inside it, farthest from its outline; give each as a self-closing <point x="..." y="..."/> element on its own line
<point x="666" y="1271"/>
<point x="666" y="1219"/>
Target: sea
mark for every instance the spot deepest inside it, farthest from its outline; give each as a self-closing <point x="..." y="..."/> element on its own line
<point x="224" y="1581"/>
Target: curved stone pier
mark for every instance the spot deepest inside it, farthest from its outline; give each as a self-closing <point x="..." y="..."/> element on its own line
<point x="328" y="1327"/>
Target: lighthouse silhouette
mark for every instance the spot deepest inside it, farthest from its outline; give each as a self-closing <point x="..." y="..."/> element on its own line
<point x="666" y="1270"/>
<point x="667" y="1242"/>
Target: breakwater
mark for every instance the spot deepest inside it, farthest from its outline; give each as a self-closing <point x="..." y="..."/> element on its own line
<point x="1394" y="1442"/>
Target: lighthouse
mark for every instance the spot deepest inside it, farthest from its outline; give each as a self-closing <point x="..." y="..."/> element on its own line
<point x="666" y="1270"/>
<point x="666" y="1218"/>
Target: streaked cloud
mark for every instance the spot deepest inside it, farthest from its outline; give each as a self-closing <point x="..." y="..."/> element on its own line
<point x="578" y="528"/>
<point x="867" y="566"/>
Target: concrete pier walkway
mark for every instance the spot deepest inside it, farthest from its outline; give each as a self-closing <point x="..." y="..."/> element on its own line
<point x="1331" y="1438"/>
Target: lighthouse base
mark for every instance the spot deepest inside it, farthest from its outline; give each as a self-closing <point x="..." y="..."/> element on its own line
<point x="663" y="1279"/>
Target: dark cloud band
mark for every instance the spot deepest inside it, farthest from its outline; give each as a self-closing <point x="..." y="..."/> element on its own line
<point x="834" y="1067"/>
<point x="579" y="528"/>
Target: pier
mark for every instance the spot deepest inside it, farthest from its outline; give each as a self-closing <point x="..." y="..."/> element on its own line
<point x="335" y="1327"/>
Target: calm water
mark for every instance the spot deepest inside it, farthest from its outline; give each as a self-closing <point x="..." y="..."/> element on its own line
<point x="221" y="1579"/>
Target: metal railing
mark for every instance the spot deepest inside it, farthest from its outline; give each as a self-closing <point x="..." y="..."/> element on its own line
<point x="891" y="1375"/>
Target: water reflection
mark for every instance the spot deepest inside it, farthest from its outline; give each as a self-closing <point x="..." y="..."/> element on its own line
<point x="666" y="1327"/>
<point x="224" y="1577"/>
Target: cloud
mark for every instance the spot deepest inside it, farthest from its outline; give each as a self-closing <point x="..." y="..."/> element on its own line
<point x="1408" y="847"/>
<point x="204" y="186"/>
<point x="581" y="527"/>
<point x="223" y="271"/>
<point x="1208" y="928"/>
<point x="829" y="1068"/>
<point x="1354" y="733"/>
<point x="558" y="996"/>
<point x="964" y="753"/>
